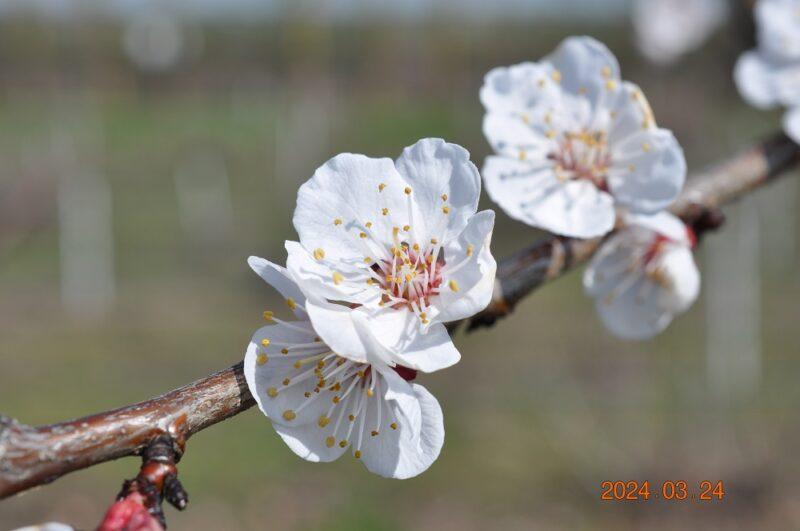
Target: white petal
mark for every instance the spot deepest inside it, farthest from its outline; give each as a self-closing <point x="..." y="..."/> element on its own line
<point x="648" y="171"/>
<point x="585" y="65"/>
<point x="663" y="223"/>
<point x="415" y="444"/>
<point x="679" y="266"/>
<point x="515" y="89"/>
<point x="511" y="136"/>
<point x="334" y="206"/>
<point x="536" y="197"/>
<point x="342" y="280"/>
<point x="630" y="113"/>
<point x="261" y="377"/>
<point x="473" y="282"/>
<point x="629" y="318"/>
<point x="308" y="442"/>
<point x="791" y="124"/>
<point x="445" y="187"/>
<point x="334" y="324"/>
<point x="278" y="277"/>
<point x="755" y="80"/>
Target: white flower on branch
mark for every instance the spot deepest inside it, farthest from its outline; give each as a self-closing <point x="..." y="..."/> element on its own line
<point x="398" y="245"/>
<point x="769" y="76"/>
<point x="667" y="29"/>
<point x="574" y="141"/>
<point x="322" y="403"/>
<point x="644" y="275"/>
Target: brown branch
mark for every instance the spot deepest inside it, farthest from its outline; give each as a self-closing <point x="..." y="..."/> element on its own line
<point x="31" y="456"/>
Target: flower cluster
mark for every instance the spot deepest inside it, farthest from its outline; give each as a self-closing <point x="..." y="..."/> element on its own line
<point x="389" y="251"/>
<point x="769" y="76"/>
<point x="578" y="152"/>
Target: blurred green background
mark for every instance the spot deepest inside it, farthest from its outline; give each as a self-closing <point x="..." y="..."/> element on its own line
<point x="137" y="175"/>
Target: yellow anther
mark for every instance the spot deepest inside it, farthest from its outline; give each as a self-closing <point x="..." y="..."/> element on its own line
<point x="393" y="425"/>
<point x="335" y="399"/>
<point x="395" y="230"/>
<point x="319" y="254"/>
<point x="284" y="351"/>
<point x="646" y="146"/>
<point x="351" y="417"/>
<point x="337" y="221"/>
<point x="374" y="433"/>
<point x="522" y="154"/>
<point x="298" y="364"/>
<point x="307" y="394"/>
<point x="268" y="315"/>
<point x="407" y="190"/>
<point x="265" y="342"/>
<point x="550" y="134"/>
<point x="556" y="75"/>
<point x="323" y="421"/>
<point x="362" y="234"/>
<point x="453" y="285"/>
<point x="370" y="392"/>
<point x="272" y="392"/>
<point x="340" y="362"/>
<point x="357" y="454"/>
<point x="429" y="259"/>
<point x="444" y="197"/>
<point x="606" y="71"/>
<point x="415" y="247"/>
<point x="446" y="209"/>
<point x="368" y="224"/>
<point x="342" y="444"/>
<point x="611" y="84"/>
<point x="389" y="278"/>
<point x="367" y="260"/>
<point x="381" y="187"/>
<point x="337" y="278"/>
<point x="470" y="249"/>
<point x="434" y="241"/>
<point x="261" y="359"/>
<point x="289" y="415"/>
<point x="385" y="211"/>
<point x="329" y="442"/>
<point x="631" y="168"/>
<point x="286" y="381"/>
<point x="406" y="228"/>
<point x="408" y="278"/>
<point x="370" y="281"/>
<point x="360" y="374"/>
<point x="291" y="304"/>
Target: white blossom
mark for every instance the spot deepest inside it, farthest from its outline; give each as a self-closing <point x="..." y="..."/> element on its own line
<point x="398" y="245"/>
<point x="644" y="275"/>
<point x="667" y="29"/>
<point x="769" y="75"/>
<point x="321" y="403"/>
<point x="573" y="142"/>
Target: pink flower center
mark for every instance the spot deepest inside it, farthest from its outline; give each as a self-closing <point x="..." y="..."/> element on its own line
<point x="411" y="277"/>
<point x="583" y="155"/>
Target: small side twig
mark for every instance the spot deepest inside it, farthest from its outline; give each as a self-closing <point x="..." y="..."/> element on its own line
<point x="157" y="481"/>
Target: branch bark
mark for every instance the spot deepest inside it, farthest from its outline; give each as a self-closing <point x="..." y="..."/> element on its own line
<point x="31" y="456"/>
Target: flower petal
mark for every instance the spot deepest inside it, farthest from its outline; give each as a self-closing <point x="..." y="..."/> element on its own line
<point x="663" y="223"/>
<point x="411" y="448"/>
<point x="585" y="65"/>
<point x="278" y="277"/>
<point x="266" y="368"/>
<point x="536" y="197"/>
<point x="511" y="136"/>
<point x="514" y="89"/>
<point x="445" y="187"/>
<point x="345" y="193"/>
<point x="755" y="80"/>
<point x="648" y="171"/>
<point x="468" y="289"/>
<point x="334" y="324"/>
<point x="342" y="280"/>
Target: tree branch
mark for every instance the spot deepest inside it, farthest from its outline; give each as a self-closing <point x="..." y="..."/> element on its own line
<point x="31" y="456"/>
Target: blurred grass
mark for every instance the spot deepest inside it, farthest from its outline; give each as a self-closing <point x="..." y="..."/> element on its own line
<point x="543" y="407"/>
